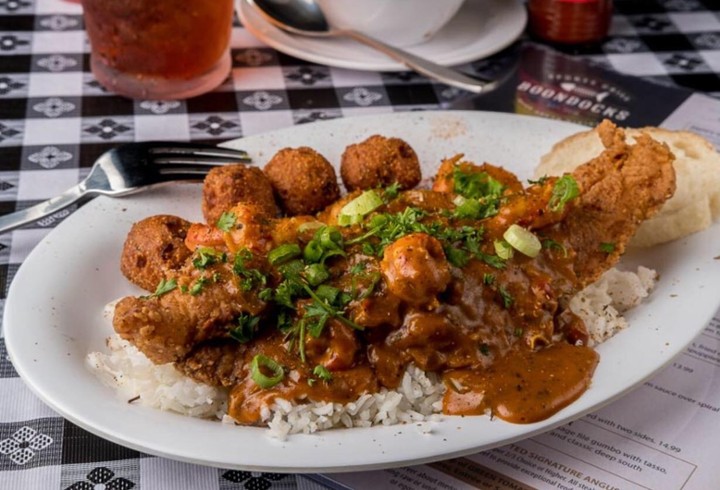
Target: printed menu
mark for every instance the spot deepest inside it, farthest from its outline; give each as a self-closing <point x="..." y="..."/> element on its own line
<point x="666" y="433"/>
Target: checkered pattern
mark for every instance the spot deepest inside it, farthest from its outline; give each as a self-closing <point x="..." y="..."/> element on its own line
<point x="55" y="120"/>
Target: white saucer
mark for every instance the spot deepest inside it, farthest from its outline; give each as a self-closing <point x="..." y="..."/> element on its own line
<point x="480" y="28"/>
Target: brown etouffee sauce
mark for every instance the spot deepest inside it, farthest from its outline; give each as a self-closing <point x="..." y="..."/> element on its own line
<point x="500" y="338"/>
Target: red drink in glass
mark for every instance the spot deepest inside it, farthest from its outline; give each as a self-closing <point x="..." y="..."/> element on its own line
<point x="159" y="49"/>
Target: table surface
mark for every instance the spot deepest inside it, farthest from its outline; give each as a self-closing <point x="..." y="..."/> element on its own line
<point x="55" y="120"/>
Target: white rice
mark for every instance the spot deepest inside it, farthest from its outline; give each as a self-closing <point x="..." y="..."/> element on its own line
<point x="138" y="380"/>
<point x="602" y="303"/>
<point x="417" y="399"/>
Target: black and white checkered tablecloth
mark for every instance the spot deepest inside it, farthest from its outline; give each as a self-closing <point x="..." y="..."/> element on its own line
<point x="55" y="120"/>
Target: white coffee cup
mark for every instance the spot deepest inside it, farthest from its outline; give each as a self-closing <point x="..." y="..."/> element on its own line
<point x="396" y="22"/>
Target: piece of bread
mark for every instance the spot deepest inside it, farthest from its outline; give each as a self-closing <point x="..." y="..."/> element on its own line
<point x="696" y="203"/>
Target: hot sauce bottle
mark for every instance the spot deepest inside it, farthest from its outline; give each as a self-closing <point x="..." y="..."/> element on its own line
<point x="569" y="21"/>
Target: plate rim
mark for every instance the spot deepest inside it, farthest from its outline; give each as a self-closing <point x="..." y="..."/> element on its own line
<point x="382" y="64"/>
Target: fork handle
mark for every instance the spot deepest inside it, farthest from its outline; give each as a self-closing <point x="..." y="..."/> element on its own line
<point x="19" y="218"/>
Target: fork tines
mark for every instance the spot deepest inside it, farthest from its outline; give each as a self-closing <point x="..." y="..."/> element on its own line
<point x="203" y="162"/>
<point x="193" y="153"/>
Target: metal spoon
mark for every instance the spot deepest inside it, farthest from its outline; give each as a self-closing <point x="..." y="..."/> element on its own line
<point x="305" y="18"/>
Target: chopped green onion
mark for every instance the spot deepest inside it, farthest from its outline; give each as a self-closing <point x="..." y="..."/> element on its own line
<point x="329" y="237"/>
<point x="313" y="251"/>
<point x="522" y="240"/>
<point x="565" y="189"/>
<point x="359" y="207"/>
<point x="347" y="220"/>
<point x="503" y="249"/>
<point x="283" y="253"/>
<point x="315" y="274"/>
<point x="260" y="363"/>
<point x="310" y="226"/>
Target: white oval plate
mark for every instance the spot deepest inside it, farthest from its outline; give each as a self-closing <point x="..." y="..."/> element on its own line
<point x="53" y="315"/>
<point x="479" y="29"/>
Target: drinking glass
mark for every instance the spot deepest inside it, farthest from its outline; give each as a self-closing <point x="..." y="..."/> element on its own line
<point x="159" y="49"/>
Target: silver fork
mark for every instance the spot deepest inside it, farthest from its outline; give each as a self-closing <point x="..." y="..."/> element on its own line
<point x="131" y="168"/>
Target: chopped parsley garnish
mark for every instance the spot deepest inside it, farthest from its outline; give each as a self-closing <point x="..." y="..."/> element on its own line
<point x="227" y="221"/>
<point x="249" y="278"/>
<point x="456" y="256"/>
<point x="206" y="256"/>
<point x="163" y="287"/>
<point x="358" y="268"/>
<point x="481" y="194"/>
<point x="607" y="247"/>
<point x="539" y="181"/>
<point x="476" y="185"/>
<point x="565" y="190"/>
<point x="246" y="328"/>
<point x="389" y="227"/>
<point x="334" y="309"/>
<point x="391" y="191"/>
<point x="551" y="244"/>
<point x="322" y="372"/>
<point x="197" y="287"/>
<point x="507" y="298"/>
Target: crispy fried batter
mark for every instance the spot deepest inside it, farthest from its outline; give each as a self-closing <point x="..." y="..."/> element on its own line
<point x="216" y="363"/>
<point x="154" y="246"/>
<point x="167" y="327"/>
<point x="380" y="161"/>
<point x="623" y="186"/>
<point x="226" y="186"/>
<point x="303" y="180"/>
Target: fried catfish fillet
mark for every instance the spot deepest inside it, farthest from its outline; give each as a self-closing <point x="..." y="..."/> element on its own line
<point x="203" y="306"/>
<point x="622" y="187"/>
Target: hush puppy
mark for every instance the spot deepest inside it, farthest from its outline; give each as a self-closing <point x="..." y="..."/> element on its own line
<point x="229" y="185"/>
<point x="304" y="181"/>
<point x="154" y="246"/>
<point x="378" y="162"/>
